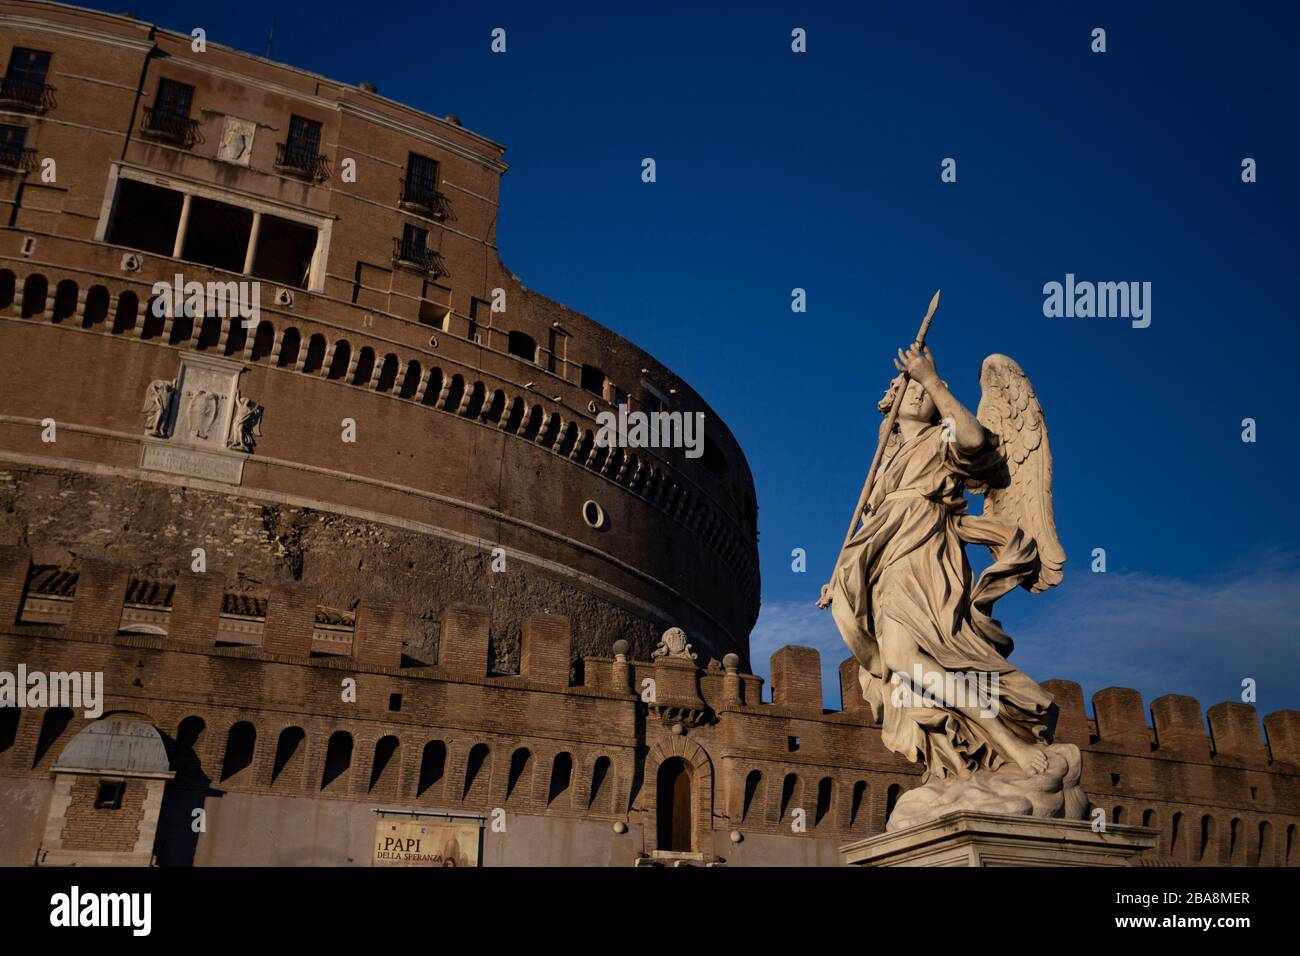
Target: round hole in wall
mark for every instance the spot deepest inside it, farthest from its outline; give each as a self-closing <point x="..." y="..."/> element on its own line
<point x="593" y="514"/>
<point x="433" y="341"/>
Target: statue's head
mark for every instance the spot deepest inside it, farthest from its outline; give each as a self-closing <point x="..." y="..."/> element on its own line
<point x="917" y="403"/>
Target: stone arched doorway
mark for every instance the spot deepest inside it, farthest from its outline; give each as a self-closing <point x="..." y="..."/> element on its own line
<point x="674" y="811"/>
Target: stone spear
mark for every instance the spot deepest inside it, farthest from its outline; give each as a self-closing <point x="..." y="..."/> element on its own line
<point x="880" y="445"/>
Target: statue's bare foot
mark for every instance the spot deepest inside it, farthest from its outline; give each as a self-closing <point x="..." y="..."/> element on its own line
<point x="1031" y="758"/>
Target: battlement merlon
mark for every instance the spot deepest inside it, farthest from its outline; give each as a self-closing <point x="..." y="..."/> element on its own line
<point x="105" y="600"/>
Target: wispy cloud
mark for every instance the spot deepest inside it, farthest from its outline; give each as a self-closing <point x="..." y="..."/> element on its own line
<point x="1158" y="634"/>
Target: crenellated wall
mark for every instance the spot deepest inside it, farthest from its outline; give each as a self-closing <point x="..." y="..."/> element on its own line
<point x="780" y="781"/>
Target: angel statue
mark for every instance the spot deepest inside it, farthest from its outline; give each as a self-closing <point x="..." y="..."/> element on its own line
<point x="932" y="660"/>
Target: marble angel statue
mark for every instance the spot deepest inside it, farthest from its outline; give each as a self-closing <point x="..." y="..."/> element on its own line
<point x="907" y="604"/>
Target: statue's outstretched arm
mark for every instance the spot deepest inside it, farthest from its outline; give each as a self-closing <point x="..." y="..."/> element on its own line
<point x="967" y="432"/>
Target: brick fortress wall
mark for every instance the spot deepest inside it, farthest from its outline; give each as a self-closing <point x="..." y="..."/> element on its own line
<point x="454" y="736"/>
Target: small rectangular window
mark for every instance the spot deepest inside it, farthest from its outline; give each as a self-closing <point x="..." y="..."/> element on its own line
<point x="109" y="794"/>
<point x="27" y="68"/>
<point x="593" y="380"/>
<point x="13" y="143"/>
<point x="414" y="242"/>
<point x="421" y="179"/>
<point x="173" y="100"/>
<point x="394" y="701"/>
<point x="300" y="152"/>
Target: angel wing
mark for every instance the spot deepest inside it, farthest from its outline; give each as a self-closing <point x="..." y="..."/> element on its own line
<point x="1021" y="489"/>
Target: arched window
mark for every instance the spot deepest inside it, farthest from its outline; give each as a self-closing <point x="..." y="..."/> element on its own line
<point x="128" y="304"/>
<point x="477" y="393"/>
<point x="789" y="787"/>
<point x="521" y="772"/>
<point x="185" y="759"/>
<point x="1177" y="841"/>
<point x="365" y="366"/>
<point x="454" y="394"/>
<point x="1236" y="845"/>
<point x="383" y="773"/>
<point x="263" y="341"/>
<point x="891" y="799"/>
<point x="209" y="332"/>
<point x="477" y="771"/>
<point x="154" y="322"/>
<point x="288" y="754"/>
<point x="599" y="780"/>
<point x="338" y="758"/>
<point x="1267" y="854"/>
<point x="857" y="803"/>
<point x="1117" y="814"/>
<point x="8" y="286"/>
<point x="1208" y="841"/>
<point x="315" y="355"/>
<point x="96" y="310"/>
<point x="561" y="776"/>
<point x="182" y="329"/>
<point x="56" y="721"/>
<point x="35" y="289"/>
<point x="65" y="300"/>
<point x="241" y="742"/>
<point x="236" y="336"/>
<point x="753" y="784"/>
<point x="824" y="790"/>
<point x="8" y="727"/>
<point x="433" y="764"/>
<point x="521" y="345"/>
<point x="433" y="388"/>
<point x="674" y="813"/>
<point x="339" y="362"/>
<point x="290" y="343"/>
<point x="387" y="373"/>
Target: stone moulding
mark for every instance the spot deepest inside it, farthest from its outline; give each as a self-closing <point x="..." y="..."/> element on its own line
<point x="966" y="838"/>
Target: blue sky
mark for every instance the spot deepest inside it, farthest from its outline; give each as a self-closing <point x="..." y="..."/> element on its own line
<point x="822" y="171"/>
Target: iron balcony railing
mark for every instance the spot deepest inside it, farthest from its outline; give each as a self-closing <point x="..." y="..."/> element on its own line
<point x="168" y="126"/>
<point x="17" y="158"/>
<point x="419" y="256"/>
<point x="303" y="160"/>
<point x="422" y="196"/>
<point x="22" y="93"/>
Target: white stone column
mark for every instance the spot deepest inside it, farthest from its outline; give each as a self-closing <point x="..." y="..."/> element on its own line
<point x="181" y="227"/>
<point x="251" y="254"/>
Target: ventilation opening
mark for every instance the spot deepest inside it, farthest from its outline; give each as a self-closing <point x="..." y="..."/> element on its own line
<point x="145" y="217"/>
<point x="108" y="796"/>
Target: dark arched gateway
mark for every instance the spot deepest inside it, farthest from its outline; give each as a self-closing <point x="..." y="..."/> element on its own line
<point x="674" y="809"/>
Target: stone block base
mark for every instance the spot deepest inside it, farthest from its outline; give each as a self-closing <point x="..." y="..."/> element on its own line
<point x="965" y="838"/>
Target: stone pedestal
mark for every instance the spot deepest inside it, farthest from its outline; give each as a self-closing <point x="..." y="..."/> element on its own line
<point x="965" y="838"/>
